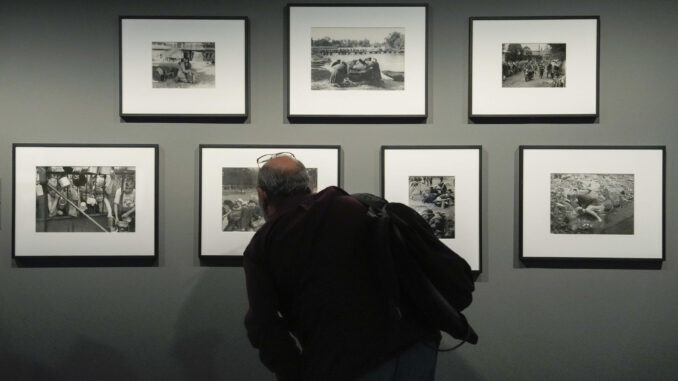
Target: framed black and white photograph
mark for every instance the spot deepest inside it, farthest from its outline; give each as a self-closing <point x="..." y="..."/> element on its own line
<point x="592" y="202"/>
<point x="183" y="67"/>
<point x="534" y="67"/>
<point x="443" y="184"/>
<point x="229" y="204"/>
<point x="354" y="61"/>
<point x="85" y="200"/>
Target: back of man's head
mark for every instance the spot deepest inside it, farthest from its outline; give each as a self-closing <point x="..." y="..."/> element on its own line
<point x="283" y="177"/>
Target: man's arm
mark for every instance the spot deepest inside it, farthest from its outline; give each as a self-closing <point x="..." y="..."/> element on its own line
<point x="266" y="329"/>
<point x="127" y="213"/>
<point x="116" y="203"/>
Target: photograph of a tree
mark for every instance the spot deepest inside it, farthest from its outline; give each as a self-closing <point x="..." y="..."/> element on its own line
<point x="395" y="40"/>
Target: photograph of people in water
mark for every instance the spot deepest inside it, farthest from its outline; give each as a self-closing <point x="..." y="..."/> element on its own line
<point x="592" y="203"/>
<point x="357" y="58"/>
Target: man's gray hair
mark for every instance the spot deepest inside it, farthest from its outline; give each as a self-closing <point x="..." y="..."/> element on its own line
<point x="280" y="184"/>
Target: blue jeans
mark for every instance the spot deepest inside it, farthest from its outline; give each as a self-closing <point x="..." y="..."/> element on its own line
<point x="415" y="364"/>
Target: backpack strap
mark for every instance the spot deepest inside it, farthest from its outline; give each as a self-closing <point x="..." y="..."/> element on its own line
<point x="374" y="203"/>
<point x="381" y="259"/>
<point x="398" y="224"/>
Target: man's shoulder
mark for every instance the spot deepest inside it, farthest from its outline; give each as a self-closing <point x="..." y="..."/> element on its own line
<point x="314" y="202"/>
<point x="324" y="204"/>
<point x="330" y="192"/>
<point x="334" y="199"/>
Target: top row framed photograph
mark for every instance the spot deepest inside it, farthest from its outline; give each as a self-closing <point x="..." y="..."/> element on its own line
<point x="359" y="62"/>
<point x="524" y="69"/>
<point x="198" y="68"/>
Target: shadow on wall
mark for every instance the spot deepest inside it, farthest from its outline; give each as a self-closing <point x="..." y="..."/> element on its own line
<point x="451" y="365"/>
<point x="210" y="342"/>
<point x="22" y="368"/>
<point x="87" y="360"/>
<point x="14" y="366"/>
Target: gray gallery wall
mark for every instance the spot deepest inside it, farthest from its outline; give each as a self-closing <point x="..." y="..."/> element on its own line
<point x="182" y="320"/>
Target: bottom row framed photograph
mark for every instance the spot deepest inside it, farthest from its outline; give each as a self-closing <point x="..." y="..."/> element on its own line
<point x="443" y="184"/>
<point x="85" y="201"/>
<point x="229" y="207"/>
<point x="592" y="202"/>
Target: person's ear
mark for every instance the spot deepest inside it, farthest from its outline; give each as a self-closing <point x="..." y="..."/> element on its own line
<point x="263" y="198"/>
<point x="263" y="203"/>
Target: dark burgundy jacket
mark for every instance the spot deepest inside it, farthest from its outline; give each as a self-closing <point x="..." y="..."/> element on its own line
<point x="308" y="275"/>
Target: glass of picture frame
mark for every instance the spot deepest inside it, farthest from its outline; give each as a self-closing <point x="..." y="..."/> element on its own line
<point x="229" y="205"/>
<point x="349" y="62"/>
<point x="85" y="201"/>
<point x="592" y="202"/>
<point x="534" y="68"/>
<point x="443" y="184"/>
<point x="183" y="68"/>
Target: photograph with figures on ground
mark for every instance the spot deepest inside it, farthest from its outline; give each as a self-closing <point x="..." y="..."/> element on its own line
<point x="357" y="58"/>
<point x="240" y="201"/>
<point x="592" y="203"/>
<point x="433" y="198"/>
<point x="183" y="64"/>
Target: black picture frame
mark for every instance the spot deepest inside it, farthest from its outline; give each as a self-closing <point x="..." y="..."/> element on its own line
<point x="87" y="260"/>
<point x="583" y="261"/>
<point x="582" y="118"/>
<point x="237" y="260"/>
<point x="353" y="118"/>
<point x="185" y="118"/>
<point x="479" y="148"/>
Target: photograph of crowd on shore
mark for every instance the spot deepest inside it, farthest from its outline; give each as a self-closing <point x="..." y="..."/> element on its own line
<point x="433" y="198"/>
<point x="85" y="199"/>
<point x="240" y="201"/>
<point x="183" y="64"/>
<point x="533" y="65"/>
<point x="591" y="203"/>
<point x="357" y="58"/>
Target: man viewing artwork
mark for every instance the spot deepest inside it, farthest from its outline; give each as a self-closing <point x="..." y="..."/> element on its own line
<point x="316" y="312"/>
<point x="240" y="209"/>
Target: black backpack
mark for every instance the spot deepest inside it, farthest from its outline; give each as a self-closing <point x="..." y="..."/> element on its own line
<point x="412" y="262"/>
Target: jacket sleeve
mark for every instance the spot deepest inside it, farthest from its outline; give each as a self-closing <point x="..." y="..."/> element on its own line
<point x="266" y="328"/>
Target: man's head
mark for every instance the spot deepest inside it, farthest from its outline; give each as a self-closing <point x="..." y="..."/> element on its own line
<point x="128" y="186"/>
<point x="227" y="205"/>
<point x="571" y="194"/>
<point x="52" y="182"/>
<point x="280" y="178"/>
